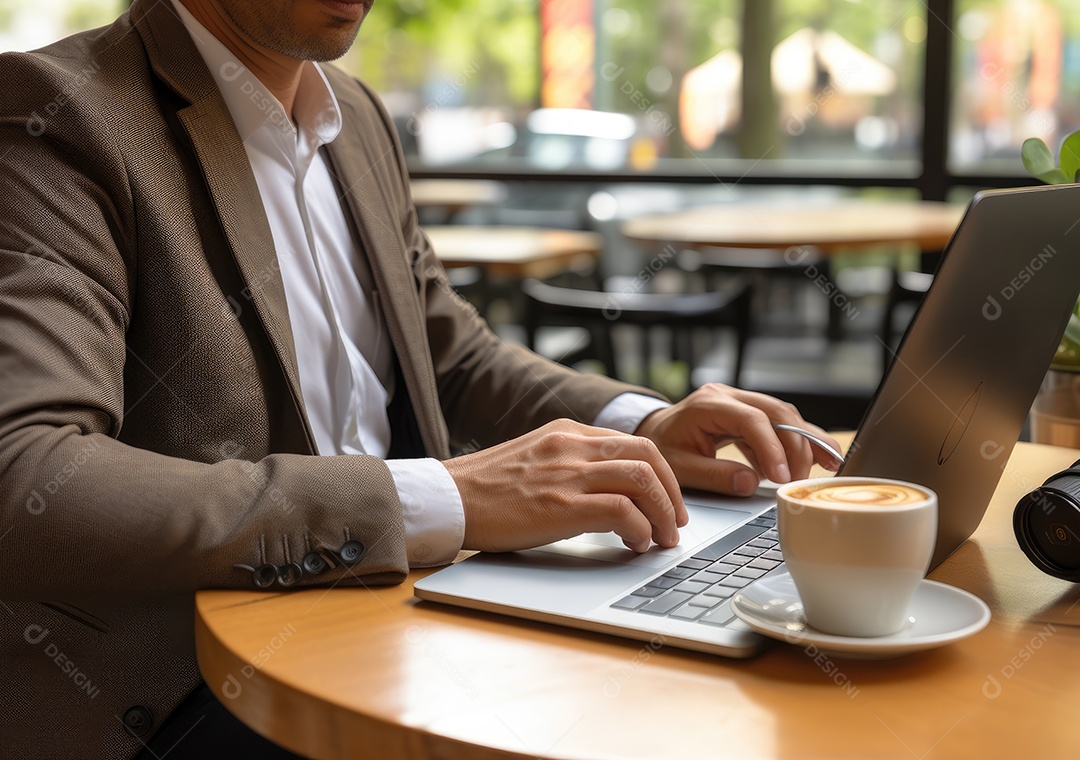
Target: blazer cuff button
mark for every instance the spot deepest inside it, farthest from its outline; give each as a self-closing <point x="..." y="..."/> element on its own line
<point x="314" y="564"/>
<point x="351" y="552"/>
<point x="138" y="721"/>
<point x="264" y="576"/>
<point x="288" y="575"/>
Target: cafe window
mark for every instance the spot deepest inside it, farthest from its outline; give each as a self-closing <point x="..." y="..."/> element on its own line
<point x="699" y="89"/>
<point x="636" y="84"/>
<point x="1017" y="75"/>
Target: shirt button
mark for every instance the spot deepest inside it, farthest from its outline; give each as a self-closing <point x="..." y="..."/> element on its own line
<point x="264" y="576"/>
<point x="351" y="552"/>
<point x="314" y="563"/>
<point x="138" y="721"/>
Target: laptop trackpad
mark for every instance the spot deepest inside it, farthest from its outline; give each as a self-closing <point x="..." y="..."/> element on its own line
<point x="705" y="523"/>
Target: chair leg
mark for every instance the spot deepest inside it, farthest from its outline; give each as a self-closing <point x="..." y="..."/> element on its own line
<point x="646" y="357"/>
<point x="602" y="346"/>
<point x="530" y="323"/>
<point x="743" y="324"/>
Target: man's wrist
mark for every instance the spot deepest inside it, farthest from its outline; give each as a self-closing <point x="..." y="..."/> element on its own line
<point x="627" y="411"/>
<point x="432" y="511"/>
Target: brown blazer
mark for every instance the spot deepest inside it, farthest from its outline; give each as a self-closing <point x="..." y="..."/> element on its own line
<point x="153" y="439"/>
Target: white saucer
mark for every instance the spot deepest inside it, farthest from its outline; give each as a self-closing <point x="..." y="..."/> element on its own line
<point x="939" y="615"/>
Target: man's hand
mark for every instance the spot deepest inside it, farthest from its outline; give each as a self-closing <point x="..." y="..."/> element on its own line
<point x="565" y="479"/>
<point x="689" y="433"/>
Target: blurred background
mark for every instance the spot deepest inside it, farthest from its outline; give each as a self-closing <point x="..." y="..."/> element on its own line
<point x="590" y="113"/>
<point x="809" y="87"/>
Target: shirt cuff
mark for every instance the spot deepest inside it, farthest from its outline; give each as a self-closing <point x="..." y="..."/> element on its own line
<point x="432" y="510"/>
<point x="626" y="411"/>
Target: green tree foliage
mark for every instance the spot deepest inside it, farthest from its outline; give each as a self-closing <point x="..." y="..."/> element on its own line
<point x="487" y="52"/>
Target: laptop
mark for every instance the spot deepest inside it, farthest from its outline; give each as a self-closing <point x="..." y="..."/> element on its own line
<point x="946" y="414"/>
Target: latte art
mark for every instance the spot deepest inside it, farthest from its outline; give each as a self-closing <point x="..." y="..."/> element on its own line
<point x="859" y="495"/>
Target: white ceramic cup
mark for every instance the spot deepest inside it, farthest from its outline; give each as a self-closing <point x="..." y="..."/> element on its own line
<point x="856" y="549"/>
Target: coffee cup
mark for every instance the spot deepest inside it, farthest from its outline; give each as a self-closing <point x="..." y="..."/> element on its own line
<point x="856" y="549"/>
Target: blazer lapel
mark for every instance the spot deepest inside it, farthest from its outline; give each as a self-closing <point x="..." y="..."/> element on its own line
<point x="224" y="164"/>
<point x="355" y="167"/>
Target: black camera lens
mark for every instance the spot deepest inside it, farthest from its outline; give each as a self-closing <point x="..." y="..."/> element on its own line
<point x="1047" y="525"/>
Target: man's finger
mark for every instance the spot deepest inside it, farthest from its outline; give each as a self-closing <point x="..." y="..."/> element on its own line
<point x="646" y="451"/>
<point x="718" y="475"/>
<point x="603" y="512"/>
<point x="635" y="478"/>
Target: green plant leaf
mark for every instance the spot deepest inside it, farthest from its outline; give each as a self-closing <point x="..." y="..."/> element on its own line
<point x="1072" y="329"/>
<point x="1039" y="162"/>
<point x="1070" y="156"/>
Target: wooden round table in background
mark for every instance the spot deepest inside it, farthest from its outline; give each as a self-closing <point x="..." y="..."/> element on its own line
<point x="455" y="195"/>
<point x="356" y="672"/>
<point x="512" y="252"/>
<point x="828" y="227"/>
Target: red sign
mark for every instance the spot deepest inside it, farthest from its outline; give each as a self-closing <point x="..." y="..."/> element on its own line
<point x="567" y="53"/>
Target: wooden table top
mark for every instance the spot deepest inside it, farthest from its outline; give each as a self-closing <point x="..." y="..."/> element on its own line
<point x="354" y="672"/>
<point x="454" y="195"/>
<point x="513" y="252"/>
<point x="830" y="228"/>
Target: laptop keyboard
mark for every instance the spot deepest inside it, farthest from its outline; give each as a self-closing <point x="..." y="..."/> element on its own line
<point x="699" y="589"/>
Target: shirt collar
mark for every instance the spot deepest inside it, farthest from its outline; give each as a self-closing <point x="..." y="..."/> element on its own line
<point x="253" y="108"/>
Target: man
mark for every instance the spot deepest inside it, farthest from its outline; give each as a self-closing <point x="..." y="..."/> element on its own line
<point x="211" y="274"/>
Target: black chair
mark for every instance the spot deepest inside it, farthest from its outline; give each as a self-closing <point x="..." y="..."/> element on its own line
<point x="907" y="287"/>
<point x="552" y="306"/>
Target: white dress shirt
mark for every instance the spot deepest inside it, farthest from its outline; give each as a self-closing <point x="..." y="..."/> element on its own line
<point x="343" y="350"/>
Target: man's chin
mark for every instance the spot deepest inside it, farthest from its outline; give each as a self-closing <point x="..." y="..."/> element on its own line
<point x="328" y="46"/>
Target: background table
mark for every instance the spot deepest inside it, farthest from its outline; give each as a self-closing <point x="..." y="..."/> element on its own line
<point x="452" y="196"/>
<point x="349" y="671"/>
<point x="512" y="252"/>
<point x="796" y="235"/>
<point x="830" y="228"/>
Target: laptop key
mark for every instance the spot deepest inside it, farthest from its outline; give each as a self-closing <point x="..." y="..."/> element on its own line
<point x="694" y="564"/>
<point x="686" y="612"/>
<point x="664" y="582"/>
<point x="708" y="602"/>
<point x="734" y="581"/>
<point x="721" y="616"/>
<point x="763" y="543"/>
<point x="719" y="591"/>
<point x="737" y="559"/>
<point x="752" y="573"/>
<point x="648" y="592"/>
<point x="773" y="554"/>
<point x="630" y="602"/>
<point x="764" y="564"/>
<point x="666" y="603"/>
<point x="729" y="543"/>
<point x="680" y="573"/>
<point x="692" y="587"/>
<point x="750" y="552"/>
<point x="723" y="568"/>
<point x="708" y="576"/>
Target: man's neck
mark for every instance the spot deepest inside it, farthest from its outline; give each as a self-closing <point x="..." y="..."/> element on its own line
<point x="280" y="74"/>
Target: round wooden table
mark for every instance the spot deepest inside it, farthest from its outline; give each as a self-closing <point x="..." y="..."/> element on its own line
<point x="513" y="252"/>
<point x="356" y="672"/>
<point x="836" y="227"/>
<point x="454" y="195"/>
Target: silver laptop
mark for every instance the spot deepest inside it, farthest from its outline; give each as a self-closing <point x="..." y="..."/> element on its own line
<point x="946" y="414"/>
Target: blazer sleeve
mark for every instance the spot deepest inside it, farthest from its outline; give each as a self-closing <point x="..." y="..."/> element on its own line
<point x="80" y="511"/>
